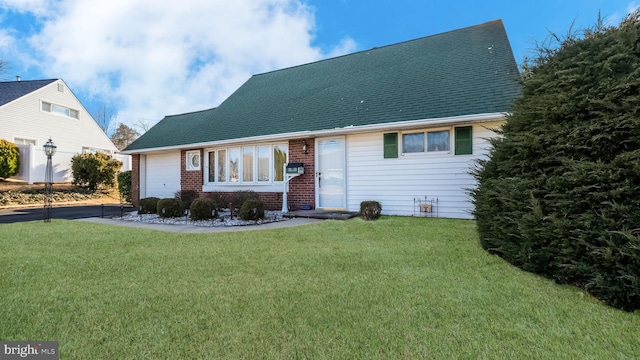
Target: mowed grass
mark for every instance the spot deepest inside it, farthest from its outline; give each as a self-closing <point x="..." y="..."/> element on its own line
<point x="396" y="288"/>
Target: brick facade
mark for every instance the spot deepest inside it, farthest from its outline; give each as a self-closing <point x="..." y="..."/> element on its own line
<point x="191" y="180"/>
<point x="135" y="179"/>
<point x="301" y="188"/>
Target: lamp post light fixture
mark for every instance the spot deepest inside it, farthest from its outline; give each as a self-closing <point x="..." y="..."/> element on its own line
<point x="49" y="150"/>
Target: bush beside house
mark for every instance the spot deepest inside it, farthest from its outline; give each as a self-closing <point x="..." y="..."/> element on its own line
<point x="94" y="170"/>
<point x="9" y="159"/>
<point x="124" y="185"/>
<point x="560" y="193"/>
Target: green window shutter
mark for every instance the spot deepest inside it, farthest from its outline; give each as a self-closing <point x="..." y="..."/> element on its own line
<point x="464" y="140"/>
<point x="390" y="145"/>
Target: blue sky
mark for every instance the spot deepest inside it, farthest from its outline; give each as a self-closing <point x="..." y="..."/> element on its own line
<point x="144" y="59"/>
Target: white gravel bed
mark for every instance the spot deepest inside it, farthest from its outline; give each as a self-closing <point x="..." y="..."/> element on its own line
<point x="224" y="219"/>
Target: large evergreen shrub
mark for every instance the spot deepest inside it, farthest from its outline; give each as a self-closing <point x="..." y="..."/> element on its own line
<point x="93" y="170"/>
<point x="9" y="159"/>
<point x="560" y="193"/>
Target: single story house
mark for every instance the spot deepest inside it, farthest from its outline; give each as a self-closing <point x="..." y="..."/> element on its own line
<point x="34" y="111"/>
<point x="401" y="124"/>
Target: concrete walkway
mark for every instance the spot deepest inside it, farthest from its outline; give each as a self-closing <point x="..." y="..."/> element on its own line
<point x="202" y="229"/>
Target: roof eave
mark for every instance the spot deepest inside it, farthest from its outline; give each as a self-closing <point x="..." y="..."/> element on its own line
<point x="411" y="124"/>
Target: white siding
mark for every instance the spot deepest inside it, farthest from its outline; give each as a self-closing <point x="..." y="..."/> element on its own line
<point x="23" y="118"/>
<point x="162" y="175"/>
<point x="397" y="183"/>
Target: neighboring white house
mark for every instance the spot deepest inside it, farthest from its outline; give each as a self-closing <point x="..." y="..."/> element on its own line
<point x="32" y="112"/>
<point x="402" y="124"/>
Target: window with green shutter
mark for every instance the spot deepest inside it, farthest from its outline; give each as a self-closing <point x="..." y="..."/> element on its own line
<point x="390" y="145"/>
<point x="464" y="140"/>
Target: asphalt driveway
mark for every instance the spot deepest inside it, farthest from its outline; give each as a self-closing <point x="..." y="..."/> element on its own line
<point x="8" y="216"/>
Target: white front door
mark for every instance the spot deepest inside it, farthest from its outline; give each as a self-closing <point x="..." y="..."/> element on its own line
<point x="330" y="173"/>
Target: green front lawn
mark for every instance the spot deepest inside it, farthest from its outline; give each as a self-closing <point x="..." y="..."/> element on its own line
<point x="393" y="288"/>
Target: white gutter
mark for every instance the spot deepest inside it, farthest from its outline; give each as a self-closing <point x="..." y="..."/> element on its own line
<point x="412" y="124"/>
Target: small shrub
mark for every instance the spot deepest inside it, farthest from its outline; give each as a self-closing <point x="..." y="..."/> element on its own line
<point x="148" y="205"/>
<point x="240" y="197"/>
<point x="170" y="207"/>
<point x="187" y="197"/>
<point x="9" y="159"/>
<point x="220" y="200"/>
<point x="370" y="210"/>
<point x="203" y="209"/>
<point x="252" y="209"/>
<point x="93" y="170"/>
<point x="124" y="185"/>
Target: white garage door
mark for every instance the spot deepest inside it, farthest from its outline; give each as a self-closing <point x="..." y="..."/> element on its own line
<point x="163" y="175"/>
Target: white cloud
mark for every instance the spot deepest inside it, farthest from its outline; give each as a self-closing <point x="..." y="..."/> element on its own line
<point x="618" y="16"/>
<point x="38" y="7"/>
<point x="158" y="57"/>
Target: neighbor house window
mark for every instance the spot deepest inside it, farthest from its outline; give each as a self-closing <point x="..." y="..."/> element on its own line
<point x="390" y="145"/>
<point x="21" y="141"/>
<point x="463" y="140"/>
<point x="247" y="164"/>
<point x="59" y="109"/>
<point x="92" y="150"/>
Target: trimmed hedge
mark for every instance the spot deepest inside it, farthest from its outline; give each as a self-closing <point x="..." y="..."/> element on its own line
<point x="252" y="209"/>
<point x="240" y="197"/>
<point x="370" y="210"/>
<point x="148" y="205"/>
<point x="187" y="197"/>
<point x="203" y="209"/>
<point x="170" y="207"/>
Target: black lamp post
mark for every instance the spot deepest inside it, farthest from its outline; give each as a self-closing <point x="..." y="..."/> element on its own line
<point x="49" y="150"/>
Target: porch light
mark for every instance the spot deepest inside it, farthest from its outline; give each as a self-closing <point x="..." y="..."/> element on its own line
<point x="304" y="147"/>
<point x="49" y="148"/>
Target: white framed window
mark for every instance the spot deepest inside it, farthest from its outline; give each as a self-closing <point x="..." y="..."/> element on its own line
<point x="92" y="150"/>
<point x="261" y="164"/>
<point x="192" y="159"/>
<point x="60" y="110"/>
<point x="23" y="141"/>
<point x="264" y="163"/>
<point x="426" y="141"/>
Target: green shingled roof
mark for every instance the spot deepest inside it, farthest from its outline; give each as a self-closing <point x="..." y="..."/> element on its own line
<point x="457" y="73"/>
